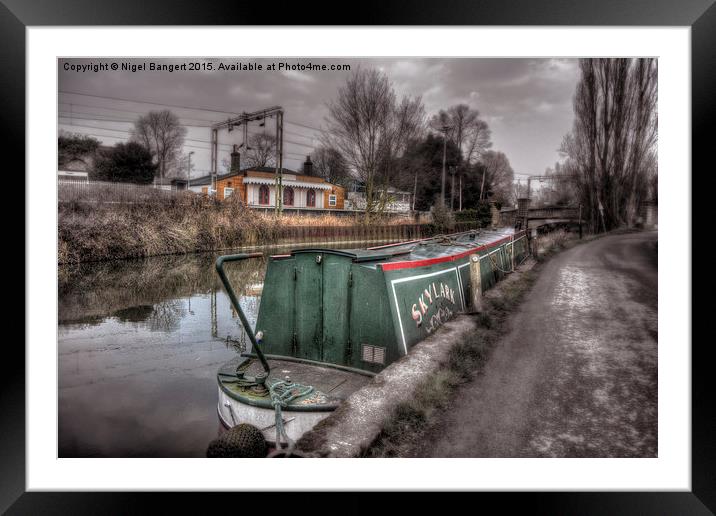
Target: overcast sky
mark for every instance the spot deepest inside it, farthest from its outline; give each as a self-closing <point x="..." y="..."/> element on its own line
<point x="526" y="102"/>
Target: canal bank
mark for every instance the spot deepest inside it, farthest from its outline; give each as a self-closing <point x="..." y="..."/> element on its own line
<point x="98" y="232"/>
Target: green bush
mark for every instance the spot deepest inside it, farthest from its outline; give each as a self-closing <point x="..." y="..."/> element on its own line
<point x="466" y="216"/>
<point x="481" y="214"/>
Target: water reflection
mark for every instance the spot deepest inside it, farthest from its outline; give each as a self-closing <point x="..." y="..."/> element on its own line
<point x="139" y="345"/>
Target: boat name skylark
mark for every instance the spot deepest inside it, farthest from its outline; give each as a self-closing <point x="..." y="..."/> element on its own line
<point x="431" y="294"/>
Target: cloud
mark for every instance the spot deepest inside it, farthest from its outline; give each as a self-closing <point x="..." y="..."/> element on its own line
<point x="298" y="76"/>
<point x="527" y="102"/>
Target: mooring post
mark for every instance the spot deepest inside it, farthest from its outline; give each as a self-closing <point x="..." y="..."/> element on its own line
<point x="475" y="283"/>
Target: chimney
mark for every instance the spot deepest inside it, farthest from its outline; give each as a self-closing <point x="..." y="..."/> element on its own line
<point x="235" y="160"/>
<point x="308" y="166"/>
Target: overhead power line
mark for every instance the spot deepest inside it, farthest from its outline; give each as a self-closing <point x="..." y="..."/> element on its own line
<point x="148" y="102"/>
<point x="99" y="118"/>
<point x="209" y="121"/>
<point x="307" y="127"/>
<point x="125" y="131"/>
<point x="129" y="132"/>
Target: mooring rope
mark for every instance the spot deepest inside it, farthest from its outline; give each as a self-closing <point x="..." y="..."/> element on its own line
<point x="282" y="393"/>
<point x="494" y="264"/>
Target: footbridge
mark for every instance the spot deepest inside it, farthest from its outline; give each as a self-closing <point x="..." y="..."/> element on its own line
<point x="541" y="218"/>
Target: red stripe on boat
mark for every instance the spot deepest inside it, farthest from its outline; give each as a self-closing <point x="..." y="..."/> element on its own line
<point x="391" y="266"/>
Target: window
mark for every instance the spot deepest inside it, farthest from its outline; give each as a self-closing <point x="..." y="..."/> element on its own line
<point x="263" y="194"/>
<point x="228" y="192"/>
<point x="332" y="200"/>
<point x="288" y="196"/>
<point x="311" y="198"/>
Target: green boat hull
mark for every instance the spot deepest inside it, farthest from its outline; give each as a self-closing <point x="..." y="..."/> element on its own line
<point x="364" y="309"/>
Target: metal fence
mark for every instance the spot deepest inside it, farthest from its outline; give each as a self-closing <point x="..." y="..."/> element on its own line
<point x="363" y="233"/>
<point x="108" y="192"/>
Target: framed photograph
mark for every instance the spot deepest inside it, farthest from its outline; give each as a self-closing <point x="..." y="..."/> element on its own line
<point x="421" y="255"/>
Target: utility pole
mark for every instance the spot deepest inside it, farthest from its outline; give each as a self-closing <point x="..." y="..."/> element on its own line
<point x="444" y="129"/>
<point x="214" y="155"/>
<point x="188" y="172"/>
<point x="279" y="163"/>
<point x="415" y="189"/>
<point x="460" y="188"/>
<point x="452" y="188"/>
<point x="243" y="119"/>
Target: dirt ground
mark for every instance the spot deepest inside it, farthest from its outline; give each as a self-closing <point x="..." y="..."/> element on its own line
<point x="576" y="374"/>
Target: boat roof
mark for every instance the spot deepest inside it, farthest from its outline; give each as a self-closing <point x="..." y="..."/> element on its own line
<point x="358" y="255"/>
<point x="440" y="246"/>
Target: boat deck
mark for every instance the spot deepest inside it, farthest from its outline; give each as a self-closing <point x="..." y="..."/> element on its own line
<point x="331" y="385"/>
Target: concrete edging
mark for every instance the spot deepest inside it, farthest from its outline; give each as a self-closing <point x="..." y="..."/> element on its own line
<point x="354" y="426"/>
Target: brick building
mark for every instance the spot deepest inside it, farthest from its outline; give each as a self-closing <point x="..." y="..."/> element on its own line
<point x="256" y="187"/>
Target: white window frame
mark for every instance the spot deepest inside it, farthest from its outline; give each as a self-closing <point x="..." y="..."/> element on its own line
<point x="332" y="200"/>
<point x="229" y="190"/>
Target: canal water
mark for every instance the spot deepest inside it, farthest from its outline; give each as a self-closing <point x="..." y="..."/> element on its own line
<point x="139" y="345"/>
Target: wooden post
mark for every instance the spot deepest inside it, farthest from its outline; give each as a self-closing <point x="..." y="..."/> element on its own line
<point x="475" y="284"/>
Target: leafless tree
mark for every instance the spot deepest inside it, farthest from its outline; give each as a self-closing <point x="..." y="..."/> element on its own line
<point x="613" y="138"/>
<point x="163" y="135"/>
<point x="560" y="188"/>
<point x="498" y="174"/>
<point x="261" y="150"/>
<point x="329" y="164"/>
<point x="370" y="128"/>
<point x="467" y="130"/>
<point x="408" y="126"/>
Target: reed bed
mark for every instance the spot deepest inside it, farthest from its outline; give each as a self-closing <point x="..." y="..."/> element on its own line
<point x="188" y="223"/>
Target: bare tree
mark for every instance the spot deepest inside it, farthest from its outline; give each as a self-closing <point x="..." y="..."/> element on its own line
<point x="498" y="176"/>
<point x="329" y="164"/>
<point x="261" y="151"/>
<point x="613" y="137"/>
<point x="467" y="130"/>
<point x="163" y="135"/>
<point x="370" y="128"/>
<point x="408" y="126"/>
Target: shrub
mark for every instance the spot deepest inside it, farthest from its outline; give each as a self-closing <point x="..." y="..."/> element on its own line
<point x="126" y="163"/>
<point x="482" y="214"/>
<point x="443" y="219"/>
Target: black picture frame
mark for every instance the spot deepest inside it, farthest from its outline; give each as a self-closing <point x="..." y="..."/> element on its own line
<point x="700" y="15"/>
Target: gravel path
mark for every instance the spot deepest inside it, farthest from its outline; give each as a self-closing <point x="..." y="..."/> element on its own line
<point x="576" y="374"/>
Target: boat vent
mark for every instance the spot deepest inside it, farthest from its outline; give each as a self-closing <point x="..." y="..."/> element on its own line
<point x="373" y="354"/>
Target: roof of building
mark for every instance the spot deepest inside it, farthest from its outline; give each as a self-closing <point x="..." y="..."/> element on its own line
<point x="206" y="180"/>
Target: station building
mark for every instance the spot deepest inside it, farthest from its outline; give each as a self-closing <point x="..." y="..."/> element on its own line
<point x="256" y="187"/>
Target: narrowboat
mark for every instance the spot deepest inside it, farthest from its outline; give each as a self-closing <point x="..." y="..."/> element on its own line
<point x="330" y="319"/>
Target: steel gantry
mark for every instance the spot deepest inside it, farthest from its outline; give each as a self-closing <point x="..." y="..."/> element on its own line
<point x="243" y="121"/>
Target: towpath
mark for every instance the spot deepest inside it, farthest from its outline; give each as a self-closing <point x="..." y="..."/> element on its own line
<point x="576" y="374"/>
